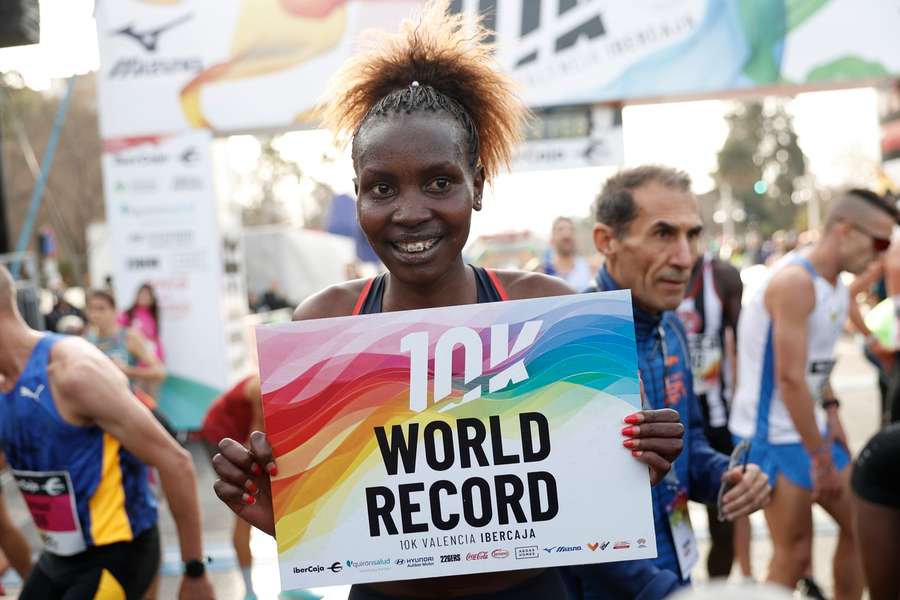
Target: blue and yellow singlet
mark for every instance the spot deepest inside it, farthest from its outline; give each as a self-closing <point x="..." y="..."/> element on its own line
<point x="82" y="487"/>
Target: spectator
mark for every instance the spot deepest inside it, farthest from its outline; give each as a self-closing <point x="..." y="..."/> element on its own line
<point x="143" y="315"/>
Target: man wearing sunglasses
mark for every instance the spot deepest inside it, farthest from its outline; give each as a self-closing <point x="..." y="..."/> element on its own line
<point x="784" y="404"/>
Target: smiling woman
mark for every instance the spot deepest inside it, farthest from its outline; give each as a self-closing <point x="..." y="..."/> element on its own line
<point x="431" y="119"/>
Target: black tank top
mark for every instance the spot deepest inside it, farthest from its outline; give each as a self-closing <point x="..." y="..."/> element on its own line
<point x="487" y="285"/>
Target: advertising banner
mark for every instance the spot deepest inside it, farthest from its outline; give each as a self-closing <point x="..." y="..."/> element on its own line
<point x="225" y="65"/>
<point x="239" y="65"/>
<point x="455" y="440"/>
<point x="569" y="137"/>
<point x="164" y="227"/>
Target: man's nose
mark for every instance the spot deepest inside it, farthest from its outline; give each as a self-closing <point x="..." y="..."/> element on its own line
<point x="682" y="255"/>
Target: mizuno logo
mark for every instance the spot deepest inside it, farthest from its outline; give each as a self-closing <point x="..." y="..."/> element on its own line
<point x="34" y="395"/>
<point x="150" y="39"/>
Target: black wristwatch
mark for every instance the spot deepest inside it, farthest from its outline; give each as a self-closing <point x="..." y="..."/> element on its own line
<point x="194" y="568"/>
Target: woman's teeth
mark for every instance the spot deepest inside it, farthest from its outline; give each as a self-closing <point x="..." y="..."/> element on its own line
<point x="413" y="247"/>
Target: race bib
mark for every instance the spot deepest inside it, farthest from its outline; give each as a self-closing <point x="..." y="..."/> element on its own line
<point x="683" y="533"/>
<point x="706" y="362"/>
<point x="50" y="497"/>
<point x="817" y="377"/>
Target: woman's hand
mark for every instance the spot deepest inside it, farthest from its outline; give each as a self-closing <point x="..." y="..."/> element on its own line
<point x="243" y="482"/>
<point x="656" y="438"/>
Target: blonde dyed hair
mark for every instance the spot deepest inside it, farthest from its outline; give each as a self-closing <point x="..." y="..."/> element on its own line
<point x="453" y="64"/>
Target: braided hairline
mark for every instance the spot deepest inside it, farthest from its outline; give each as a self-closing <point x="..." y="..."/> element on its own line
<point x="425" y="97"/>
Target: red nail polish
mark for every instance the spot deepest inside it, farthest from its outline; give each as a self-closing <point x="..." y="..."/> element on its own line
<point x="251" y="499"/>
<point x="633" y="419"/>
<point x="251" y="487"/>
<point x="272" y="469"/>
<point x="636" y="453"/>
<point x="630" y="431"/>
<point x="248" y="499"/>
<point x="254" y="468"/>
<point x="629" y="443"/>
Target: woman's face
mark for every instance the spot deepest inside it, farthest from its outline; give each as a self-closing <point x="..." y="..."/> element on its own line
<point x="144" y="297"/>
<point x="101" y="313"/>
<point x="416" y="191"/>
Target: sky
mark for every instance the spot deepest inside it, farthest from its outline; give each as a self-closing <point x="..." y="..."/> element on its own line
<point x="837" y="130"/>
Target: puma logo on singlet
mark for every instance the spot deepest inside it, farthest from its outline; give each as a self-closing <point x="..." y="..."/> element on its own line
<point x="34" y="395"/>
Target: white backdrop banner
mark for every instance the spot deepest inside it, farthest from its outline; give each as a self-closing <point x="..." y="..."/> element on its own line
<point x="164" y="229"/>
<point x="239" y="65"/>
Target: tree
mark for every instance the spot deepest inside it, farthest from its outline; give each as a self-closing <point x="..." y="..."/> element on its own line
<point x="277" y="184"/>
<point x="761" y="162"/>
<point x="74" y="194"/>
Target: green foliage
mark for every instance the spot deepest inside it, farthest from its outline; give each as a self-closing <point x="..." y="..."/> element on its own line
<point x="762" y="146"/>
<point x="847" y="67"/>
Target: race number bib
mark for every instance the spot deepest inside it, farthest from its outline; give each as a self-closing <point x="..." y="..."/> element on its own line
<point x="50" y="497"/>
<point x="817" y="377"/>
<point x="706" y="362"/>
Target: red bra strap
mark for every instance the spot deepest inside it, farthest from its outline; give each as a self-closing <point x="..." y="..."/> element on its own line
<point x="499" y="286"/>
<point x="362" y="297"/>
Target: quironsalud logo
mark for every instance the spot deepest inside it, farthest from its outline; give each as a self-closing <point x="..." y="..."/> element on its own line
<point x="366" y="565"/>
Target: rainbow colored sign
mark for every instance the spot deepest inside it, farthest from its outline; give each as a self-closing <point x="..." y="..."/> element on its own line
<point x="455" y="440"/>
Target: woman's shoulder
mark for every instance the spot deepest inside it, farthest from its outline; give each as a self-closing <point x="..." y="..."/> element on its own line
<point x="521" y="285"/>
<point x="336" y="300"/>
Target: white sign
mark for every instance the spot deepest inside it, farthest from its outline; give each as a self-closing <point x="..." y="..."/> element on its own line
<point x="455" y="440"/>
<point x="164" y="228"/>
<point x="235" y="66"/>
<point x="182" y="64"/>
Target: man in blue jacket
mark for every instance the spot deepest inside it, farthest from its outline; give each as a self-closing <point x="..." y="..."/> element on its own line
<point x="648" y="228"/>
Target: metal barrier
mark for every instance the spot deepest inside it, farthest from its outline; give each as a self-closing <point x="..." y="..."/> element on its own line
<point x="28" y="290"/>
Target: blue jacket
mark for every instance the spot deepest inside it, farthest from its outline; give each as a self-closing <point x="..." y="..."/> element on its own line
<point x="699" y="468"/>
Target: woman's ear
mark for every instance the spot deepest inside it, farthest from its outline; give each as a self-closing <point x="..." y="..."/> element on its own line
<point x="478" y="186"/>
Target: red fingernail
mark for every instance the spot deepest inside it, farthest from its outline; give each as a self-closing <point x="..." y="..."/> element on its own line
<point x="254" y="468"/>
<point x="634" y="419"/>
<point x="248" y="499"/>
<point x="251" y="487"/>
<point x="630" y="431"/>
<point x="629" y="443"/>
<point x="272" y="469"/>
<point x="636" y="453"/>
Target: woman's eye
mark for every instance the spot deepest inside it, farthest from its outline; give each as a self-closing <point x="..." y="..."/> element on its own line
<point x="441" y="184"/>
<point x="381" y="189"/>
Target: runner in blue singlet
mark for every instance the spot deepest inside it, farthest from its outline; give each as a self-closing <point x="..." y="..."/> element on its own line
<point x="78" y="443"/>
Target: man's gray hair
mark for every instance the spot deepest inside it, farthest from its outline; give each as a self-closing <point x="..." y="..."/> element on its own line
<point x="615" y="205"/>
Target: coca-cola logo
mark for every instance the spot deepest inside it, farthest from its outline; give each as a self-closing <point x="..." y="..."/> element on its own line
<point x="500" y="553"/>
<point x="477" y="555"/>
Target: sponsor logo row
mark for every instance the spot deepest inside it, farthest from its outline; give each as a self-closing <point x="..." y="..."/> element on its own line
<point x="519" y="553"/>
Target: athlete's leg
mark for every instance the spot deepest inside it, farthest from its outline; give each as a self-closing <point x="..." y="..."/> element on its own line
<point x="721" y="533"/>
<point x="39" y="586"/>
<point x="878" y="532"/>
<point x="241" y="540"/>
<point x="95" y="584"/>
<point x="13" y="543"/>
<point x="876" y="506"/>
<point x="743" y="533"/>
<point x="848" y="575"/>
<point x="721" y="551"/>
<point x="789" y="515"/>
